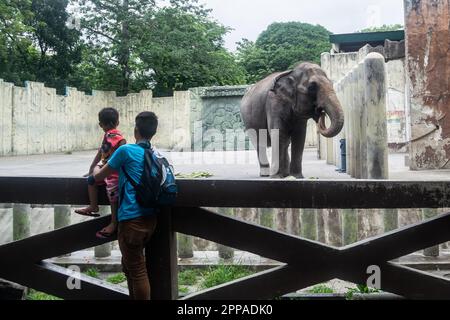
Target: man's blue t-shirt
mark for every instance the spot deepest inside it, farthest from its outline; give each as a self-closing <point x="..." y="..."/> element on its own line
<point x="130" y="156"/>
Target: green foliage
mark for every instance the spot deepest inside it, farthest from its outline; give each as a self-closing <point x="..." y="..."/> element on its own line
<point x="93" y="272"/>
<point x="281" y="47"/>
<point x="121" y="45"/>
<point x="194" y="175"/>
<point x="117" y="278"/>
<point x="360" y="289"/>
<point x="188" y="277"/>
<point x="36" y="295"/>
<point x="216" y="276"/>
<point x="321" y="289"/>
<point x="35" y="43"/>
<point x="390" y="27"/>
<point x="185" y="50"/>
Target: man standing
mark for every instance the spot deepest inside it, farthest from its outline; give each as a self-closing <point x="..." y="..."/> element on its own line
<point x="136" y="224"/>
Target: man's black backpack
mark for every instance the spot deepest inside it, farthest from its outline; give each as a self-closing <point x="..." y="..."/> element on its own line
<point x="157" y="187"/>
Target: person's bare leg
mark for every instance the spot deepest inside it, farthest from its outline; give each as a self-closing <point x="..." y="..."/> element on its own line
<point x="93" y="199"/>
<point x="111" y="228"/>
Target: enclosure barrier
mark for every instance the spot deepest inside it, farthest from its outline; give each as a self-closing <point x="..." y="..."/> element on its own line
<point x="362" y="93"/>
<point x="305" y="262"/>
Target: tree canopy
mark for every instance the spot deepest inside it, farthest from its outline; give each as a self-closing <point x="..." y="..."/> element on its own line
<point x="282" y="46"/>
<point x="130" y="45"/>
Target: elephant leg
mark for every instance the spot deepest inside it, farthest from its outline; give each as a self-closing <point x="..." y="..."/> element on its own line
<point x="280" y="154"/>
<point x="260" y="143"/>
<point x="297" y="149"/>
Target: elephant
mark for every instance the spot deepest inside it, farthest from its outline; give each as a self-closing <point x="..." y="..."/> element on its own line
<point x="276" y="110"/>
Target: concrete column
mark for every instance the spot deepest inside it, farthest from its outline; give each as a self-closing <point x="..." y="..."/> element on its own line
<point x="349" y="226"/>
<point x="433" y="251"/>
<point x="266" y="217"/>
<point x="390" y="219"/>
<point x="104" y="250"/>
<point x="356" y="123"/>
<point x="333" y="227"/>
<point x="308" y="224"/>
<point x="351" y="138"/>
<point x="6" y="222"/>
<point x="185" y="246"/>
<point x="62" y="217"/>
<point x="363" y="121"/>
<point x="225" y="252"/>
<point x="320" y="223"/>
<point x="287" y="220"/>
<point x="21" y="221"/>
<point x="377" y="145"/>
<point x="370" y="223"/>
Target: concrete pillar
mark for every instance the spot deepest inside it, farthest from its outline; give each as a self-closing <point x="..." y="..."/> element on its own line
<point x="370" y="223"/>
<point x="6" y="222"/>
<point x="287" y="220"/>
<point x="356" y="123"/>
<point x="428" y="73"/>
<point x="104" y="250"/>
<point x="429" y="214"/>
<point x="349" y="226"/>
<point x="21" y="221"/>
<point x="320" y="223"/>
<point x="225" y="252"/>
<point x="185" y="246"/>
<point x="333" y="227"/>
<point x="62" y="217"/>
<point x="308" y="224"/>
<point x="363" y="121"/>
<point x="390" y="219"/>
<point x="348" y="124"/>
<point x="377" y="145"/>
<point x="266" y="217"/>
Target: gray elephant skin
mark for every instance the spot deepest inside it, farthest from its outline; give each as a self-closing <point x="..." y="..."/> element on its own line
<point x="275" y="112"/>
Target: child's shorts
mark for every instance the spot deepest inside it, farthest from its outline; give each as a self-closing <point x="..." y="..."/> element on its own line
<point x="112" y="188"/>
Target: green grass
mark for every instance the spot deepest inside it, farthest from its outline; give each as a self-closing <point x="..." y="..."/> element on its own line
<point x="183" y="290"/>
<point x="360" y="289"/>
<point x="194" y="175"/>
<point x="188" y="277"/>
<point x="221" y="274"/>
<point x="36" y="295"/>
<point x="92" y="272"/>
<point x="117" y="278"/>
<point x="321" y="289"/>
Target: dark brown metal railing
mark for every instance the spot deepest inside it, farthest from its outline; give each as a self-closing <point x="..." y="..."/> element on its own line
<point x="306" y="262"/>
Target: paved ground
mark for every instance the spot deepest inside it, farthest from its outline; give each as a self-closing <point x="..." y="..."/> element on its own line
<point x="223" y="165"/>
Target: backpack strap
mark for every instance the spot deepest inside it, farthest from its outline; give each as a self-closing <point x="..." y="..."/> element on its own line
<point x="133" y="183"/>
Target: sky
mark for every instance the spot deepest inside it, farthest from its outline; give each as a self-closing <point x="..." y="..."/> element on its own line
<point x="249" y="18"/>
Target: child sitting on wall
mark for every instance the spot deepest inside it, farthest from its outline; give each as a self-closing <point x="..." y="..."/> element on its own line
<point x="112" y="140"/>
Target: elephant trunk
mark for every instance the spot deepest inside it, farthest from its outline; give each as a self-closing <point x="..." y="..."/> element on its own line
<point x="331" y="107"/>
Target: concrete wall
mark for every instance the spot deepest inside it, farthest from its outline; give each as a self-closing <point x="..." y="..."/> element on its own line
<point x="428" y="64"/>
<point x="35" y="120"/>
<point x="338" y="66"/>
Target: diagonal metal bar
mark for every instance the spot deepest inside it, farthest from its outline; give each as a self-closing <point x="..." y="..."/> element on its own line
<point x="41" y="247"/>
<point x="266" y="285"/>
<point x="53" y="280"/>
<point x="251" y="237"/>
<point x="404" y="281"/>
<point x="407" y="240"/>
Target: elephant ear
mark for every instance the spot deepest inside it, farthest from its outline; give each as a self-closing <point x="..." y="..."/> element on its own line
<point x="278" y="78"/>
<point x="284" y="88"/>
